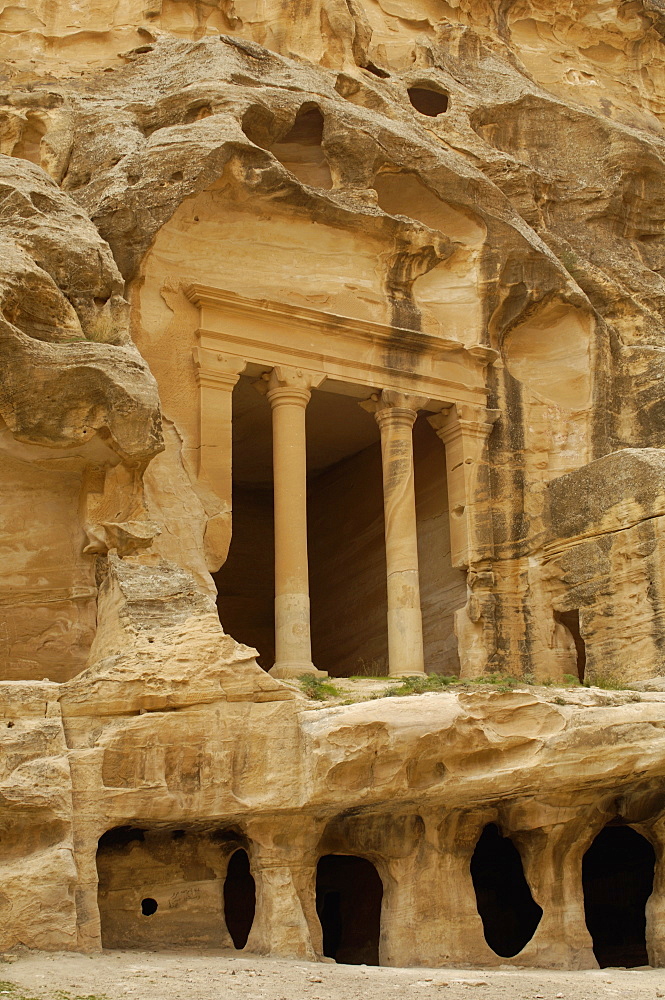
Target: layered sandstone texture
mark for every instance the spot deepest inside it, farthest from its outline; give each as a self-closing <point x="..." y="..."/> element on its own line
<point x="453" y="214"/>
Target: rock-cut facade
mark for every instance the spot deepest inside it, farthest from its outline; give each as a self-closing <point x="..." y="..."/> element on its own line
<point x="332" y="341"/>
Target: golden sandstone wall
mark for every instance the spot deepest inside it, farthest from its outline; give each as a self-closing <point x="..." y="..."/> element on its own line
<point x="483" y="177"/>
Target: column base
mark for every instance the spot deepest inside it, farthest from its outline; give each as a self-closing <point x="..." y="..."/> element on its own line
<point x="407" y="673"/>
<point x="291" y="671"/>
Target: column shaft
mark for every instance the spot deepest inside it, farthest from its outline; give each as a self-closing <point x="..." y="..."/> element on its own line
<point x="289" y="397"/>
<point x="216" y="374"/>
<point x="405" y="627"/>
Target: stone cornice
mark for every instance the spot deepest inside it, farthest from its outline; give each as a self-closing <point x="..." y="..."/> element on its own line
<point x="379" y="333"/>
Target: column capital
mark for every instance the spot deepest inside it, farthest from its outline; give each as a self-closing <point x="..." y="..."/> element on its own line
<point x="285" y="384"/>
<point x="215" y="370"/>
<point x="464" y="429"/>
<point x="469" y="419"/>
<point x="393" y="406"/>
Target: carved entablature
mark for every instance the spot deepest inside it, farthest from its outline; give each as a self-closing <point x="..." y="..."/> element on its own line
<point x="343" y="349"/>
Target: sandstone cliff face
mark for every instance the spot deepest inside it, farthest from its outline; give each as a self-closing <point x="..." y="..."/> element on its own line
<point x="468" y="192"/>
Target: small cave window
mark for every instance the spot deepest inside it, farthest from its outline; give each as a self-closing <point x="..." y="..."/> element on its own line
<point x="617" y="877"/>
<point x="29" y="145"/>
<point x="197" y="112"/>
<point x="301" y="150"/>
<point x="239" y="898"/>
<point x="428" y="101"/>
<point x="349" y="893"/>
<point x="571" y="621"/>
<point x="507" y="909"/>
<point x="149" y="906"/>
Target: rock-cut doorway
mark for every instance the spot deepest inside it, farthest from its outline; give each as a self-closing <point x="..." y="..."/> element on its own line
<point x="617" y="876"/>
<point x="349" y="893"/>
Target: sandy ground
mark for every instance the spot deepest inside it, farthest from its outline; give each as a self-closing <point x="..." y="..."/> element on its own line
<point x="125" y="975"/>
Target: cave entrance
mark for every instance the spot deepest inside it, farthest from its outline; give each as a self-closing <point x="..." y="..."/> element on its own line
<point x="617" y="876"/>
<point x="239" y="898"/>
<point x="173" y="888"/>
<point x="345" y="532"/>
<point x="507" y="909"/>
<point x="571" y="623"/>
<point x="349" y="892"/>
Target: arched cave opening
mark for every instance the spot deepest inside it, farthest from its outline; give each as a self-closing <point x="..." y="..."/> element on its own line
<point x="300" y="150"/>
<point x="239" y="898"/>
<point x="29" y="145"/>
<point x="617" y="877"/>
<point x="428" y="100"/>
<point x="349" y="892"/>
<point x="161" y="888"/>
<point x="507" y="909"/>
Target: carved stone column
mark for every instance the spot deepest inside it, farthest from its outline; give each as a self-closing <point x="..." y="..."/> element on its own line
<point x="395" y="414"/>
<point x="465" y="429"/>
<point x="216" y="375"/>
<point x="289" y="393"/>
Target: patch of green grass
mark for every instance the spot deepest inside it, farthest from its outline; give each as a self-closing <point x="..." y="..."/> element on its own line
<point x="318" y="689"/>
<point x="503" y="682"/>
<point x="420" y="685"/>
<point x="607" y="683"/>
<point x="570" y="260"/>
<point x="569" y="681"/>
<point x="102" y="329"/>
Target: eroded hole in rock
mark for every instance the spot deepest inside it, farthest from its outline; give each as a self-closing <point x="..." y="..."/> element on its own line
<point x="239" y="898"/>
<point x="301" y="152"/>
<point x="428" y="101"/>
<point x="197" y="112"/>
<point x="617" y="875"/>
<point x="29" y="145"/>
<point x="571" y="622"/>
<point x="349" y="892"/>
<point x="148" y="906"/>
<point x="376" y="71"/>
<point x="507" y="909"/>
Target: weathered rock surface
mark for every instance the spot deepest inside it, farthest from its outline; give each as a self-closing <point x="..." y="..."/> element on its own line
<point x="469" y="196"/>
